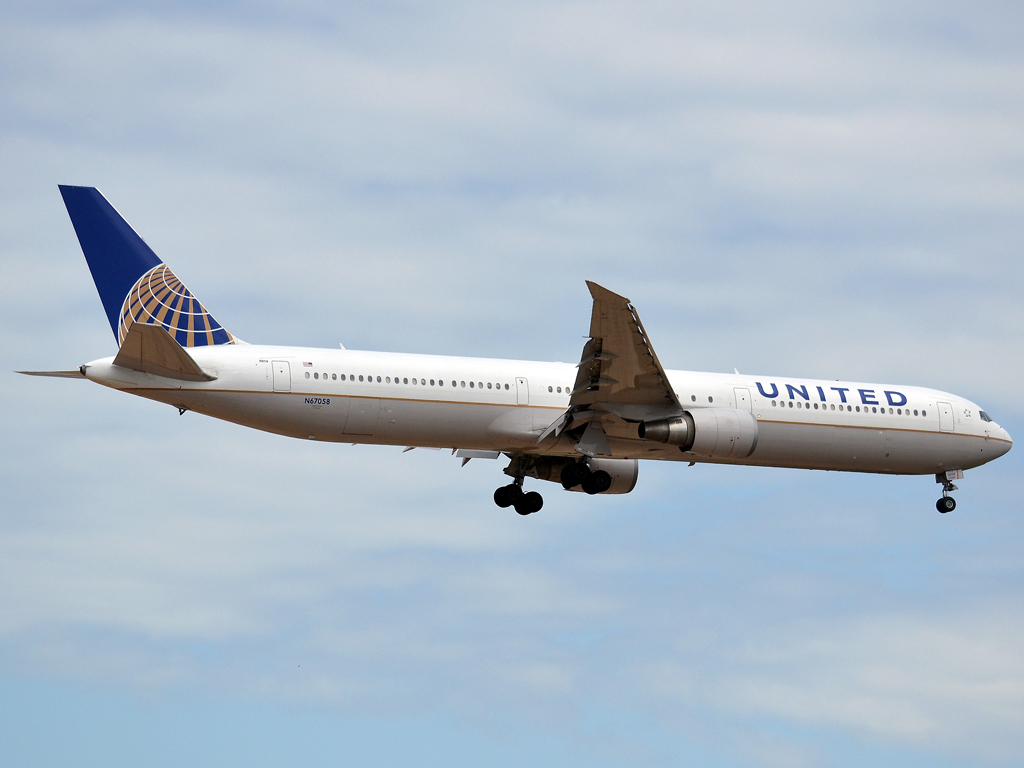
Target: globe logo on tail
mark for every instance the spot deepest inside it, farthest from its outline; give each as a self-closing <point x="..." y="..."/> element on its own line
<point x="160" y="298"/>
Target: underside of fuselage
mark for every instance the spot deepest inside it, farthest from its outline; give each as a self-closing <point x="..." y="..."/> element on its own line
<point x="515" y="430"/>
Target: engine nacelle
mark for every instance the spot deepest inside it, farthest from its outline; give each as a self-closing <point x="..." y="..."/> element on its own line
<point x="623" y="472"/>
<point x="718" y="433"/>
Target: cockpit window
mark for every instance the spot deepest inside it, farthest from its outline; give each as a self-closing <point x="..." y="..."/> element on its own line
<point x="984" y="416"/>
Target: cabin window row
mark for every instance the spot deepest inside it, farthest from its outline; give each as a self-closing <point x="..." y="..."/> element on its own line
<point x="369" y="379"/>
<point x="799" y="404"/>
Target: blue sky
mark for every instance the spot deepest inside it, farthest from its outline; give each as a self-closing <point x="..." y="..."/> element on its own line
<point x="790" y="190"/>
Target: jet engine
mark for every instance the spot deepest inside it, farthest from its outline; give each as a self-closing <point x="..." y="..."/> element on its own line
<point x="718" y="433"/>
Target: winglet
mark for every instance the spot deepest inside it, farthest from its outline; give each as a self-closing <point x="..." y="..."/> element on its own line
<point x="151" y="349"/>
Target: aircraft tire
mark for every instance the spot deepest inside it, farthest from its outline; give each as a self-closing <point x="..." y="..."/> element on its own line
<point x="573" y="475"/>
<point x="529" y="503"/>
<point x="597" y="482"/>
<point x="945" y="504"/>
<point x="502" y="497"/>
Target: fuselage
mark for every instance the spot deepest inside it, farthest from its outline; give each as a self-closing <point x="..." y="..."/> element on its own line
<point x="506" y="405"/>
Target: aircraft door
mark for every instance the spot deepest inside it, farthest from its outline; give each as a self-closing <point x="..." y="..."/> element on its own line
<point x="522" y="391"/>
<point x="742" y="399"/>
<point x="945" y="417"/>
<point x="282" y="376"/>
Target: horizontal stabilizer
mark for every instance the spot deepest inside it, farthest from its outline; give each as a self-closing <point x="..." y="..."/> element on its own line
<point x="151" y="349"/>
<point x="75" y="374"/>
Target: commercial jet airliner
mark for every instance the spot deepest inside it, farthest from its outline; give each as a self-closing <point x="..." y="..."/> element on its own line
<point x="585" y="426"/>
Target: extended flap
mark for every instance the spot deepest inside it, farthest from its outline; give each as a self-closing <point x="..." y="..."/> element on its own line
<point x="151" y="349"/>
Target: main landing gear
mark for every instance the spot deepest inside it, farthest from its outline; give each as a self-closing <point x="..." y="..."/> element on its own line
<point x="947" y="503"/>
<point x="512" y="495"/>
<point x="580" y="474"/>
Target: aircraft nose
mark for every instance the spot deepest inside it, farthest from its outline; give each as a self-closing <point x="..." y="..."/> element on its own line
<point x="1009" y="441"/>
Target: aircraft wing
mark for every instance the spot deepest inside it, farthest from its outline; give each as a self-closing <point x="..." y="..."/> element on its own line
<point x="619" y="381"/>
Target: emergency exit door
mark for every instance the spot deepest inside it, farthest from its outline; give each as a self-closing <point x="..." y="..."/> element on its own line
<point x="522" y="391"/>
<point x="742" y="399"/>
<point x="282" y="376"/>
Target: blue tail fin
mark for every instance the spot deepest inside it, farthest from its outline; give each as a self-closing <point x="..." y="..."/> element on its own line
<point x="134" y="285"/>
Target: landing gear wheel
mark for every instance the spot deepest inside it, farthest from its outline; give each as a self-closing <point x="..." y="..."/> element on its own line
<point x="501" y="497"/>
<point x="945" y="504"/>
<point x="573" y="475"/>
<point x="529" y="503"/>
<point x="507" y="495"/>
<point x="597" y="482"/>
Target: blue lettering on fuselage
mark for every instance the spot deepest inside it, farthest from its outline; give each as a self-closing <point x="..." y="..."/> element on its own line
<point x="867" y="396"/>
<point x="842" y="392"/>
<point x="802" y="390"/>
<point x="890" y="395"/>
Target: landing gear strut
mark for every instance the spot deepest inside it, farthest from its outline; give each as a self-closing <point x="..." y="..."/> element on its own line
<point x="512" y="495"/>
<point x="580" y="474"/>
<point x="947" y="503"/>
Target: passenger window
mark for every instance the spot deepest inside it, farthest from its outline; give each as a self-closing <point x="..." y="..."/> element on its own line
<point x="815" y="406"/>
<point x="559" y="390"/>
<point x="693" y="398"/>
<point x="711" y="399"/>
<point x="924" y="413"/>
<point x="387" y="379"/>
<point x="551" y="389"/>
<point x="773" y="404"/>
<point x="874" y="410"/>
<point x="489" y="385"/>
<point x="471" y="385"/>
<point x="307" y="374"/>
<point x="343" y="377"/>
<point x="462" y="383"/>
<point x="790" y="403"/>
<point x="832" y="407"/>
<point x="431" y="382"/>
<point x="334" y="377"/>
<point x="316" y="375"/>
<point x="360" y="377"/>
<point x="506" y="386"/>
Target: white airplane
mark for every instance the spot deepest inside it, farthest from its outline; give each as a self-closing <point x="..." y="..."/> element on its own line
<point x="585" y="426"/>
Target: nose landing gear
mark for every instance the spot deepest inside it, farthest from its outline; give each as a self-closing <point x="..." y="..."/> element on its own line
<point x="947" y="503"/>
